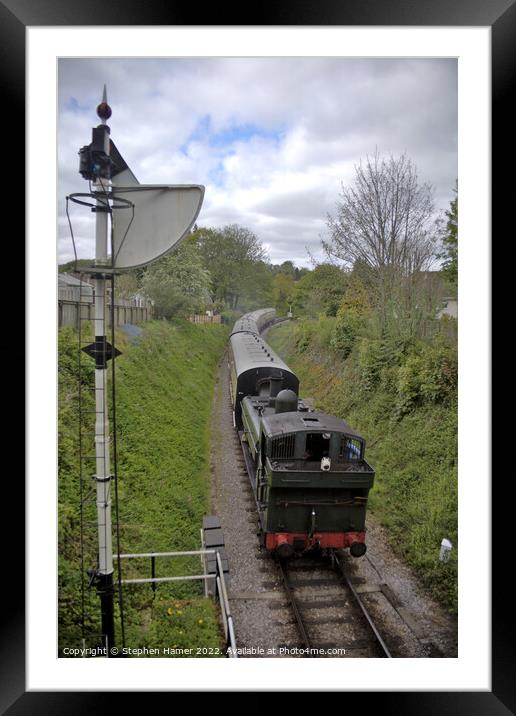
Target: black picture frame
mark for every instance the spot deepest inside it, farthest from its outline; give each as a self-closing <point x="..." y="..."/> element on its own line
<point x="500" y="15"/>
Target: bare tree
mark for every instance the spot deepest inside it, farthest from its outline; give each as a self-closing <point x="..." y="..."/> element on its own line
<point x="384" y="224"/>
<point x="384" y="219"/>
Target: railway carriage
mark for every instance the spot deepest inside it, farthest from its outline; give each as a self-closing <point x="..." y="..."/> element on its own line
<point x="255" y="322"/>
<point x="308" y="471"/>
<point x="255" y="369"/>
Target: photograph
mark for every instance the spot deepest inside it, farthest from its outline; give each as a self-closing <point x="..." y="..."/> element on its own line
<point x="258" y="424"/>
<point x="258" y="367"/>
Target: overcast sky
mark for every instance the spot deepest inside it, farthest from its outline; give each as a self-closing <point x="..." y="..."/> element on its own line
<point x="271" y="139"/>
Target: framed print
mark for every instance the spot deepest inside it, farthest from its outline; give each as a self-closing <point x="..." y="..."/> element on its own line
<point x="38" y="39"/>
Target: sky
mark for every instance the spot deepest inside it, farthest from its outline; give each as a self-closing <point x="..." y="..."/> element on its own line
<point x="273" y="140"/>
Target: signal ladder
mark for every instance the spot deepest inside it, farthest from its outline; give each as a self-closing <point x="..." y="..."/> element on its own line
<point x="91" y="633"/>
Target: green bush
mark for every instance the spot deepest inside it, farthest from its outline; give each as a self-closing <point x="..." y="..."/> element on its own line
<point x="370" y="362"/>
<point x="230" y="316"/>
<point x="428" y="375"/>
<point x="409" y="385"/>
<point x="323" y="331"/>
<point x="304" y="335"/>
<point x="440" y="374"/>
<point x="401" y="395"/>
<point x="347" y="327"/>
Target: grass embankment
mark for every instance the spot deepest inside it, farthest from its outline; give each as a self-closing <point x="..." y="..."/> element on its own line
<point x="164" y="388"/>
<point x="403" y="400"/>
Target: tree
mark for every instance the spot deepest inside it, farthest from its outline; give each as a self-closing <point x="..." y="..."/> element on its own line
<point x="353" y="311"/>
<point x="126" y="285"/>
<point x="287" y="267"/>
<point x="178" y="283"/>
<point x="257" y="290"/>
<point x="449" y="240"/>
<point x="384" y="222"/>
<point x="384" y="218"/>
<point x="71" y="266"/>
<point x="232" y="255"/>
<point x="282" y="290"/>
<point x="321" y="290"/>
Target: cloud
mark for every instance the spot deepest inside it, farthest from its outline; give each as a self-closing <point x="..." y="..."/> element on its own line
<point x="272" y="139"/>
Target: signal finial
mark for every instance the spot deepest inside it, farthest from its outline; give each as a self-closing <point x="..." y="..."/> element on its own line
<point x="104" y="110"/>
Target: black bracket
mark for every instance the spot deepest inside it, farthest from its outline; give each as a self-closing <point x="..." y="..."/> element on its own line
<point x="102" y="351"/>
<point x="103" y="583"/>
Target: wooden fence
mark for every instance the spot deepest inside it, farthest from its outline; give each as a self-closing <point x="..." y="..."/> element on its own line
<point x="205" y="319"/>
<point x="446" y="327"/>
<point x="69" y="313"/>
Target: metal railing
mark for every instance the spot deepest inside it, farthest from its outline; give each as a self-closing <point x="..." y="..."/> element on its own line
<point x="229" y="629"/>
<point x="217" y="577"/>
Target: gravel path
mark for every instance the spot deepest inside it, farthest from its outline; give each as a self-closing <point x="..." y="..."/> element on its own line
<point x="232" y="500"/>
<point x="402" y="599"/>
<point x="412" y="624"/>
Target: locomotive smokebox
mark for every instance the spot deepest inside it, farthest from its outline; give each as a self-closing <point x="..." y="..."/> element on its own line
<point x="286" y="401"/>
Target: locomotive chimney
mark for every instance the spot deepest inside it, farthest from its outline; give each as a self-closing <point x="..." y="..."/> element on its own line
<point x="275" y="386"/>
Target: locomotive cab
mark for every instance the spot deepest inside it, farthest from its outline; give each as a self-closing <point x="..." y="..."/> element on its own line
<point x="314" y="483"/>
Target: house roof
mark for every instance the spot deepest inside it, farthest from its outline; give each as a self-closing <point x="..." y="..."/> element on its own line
<point x="65" y="279"/>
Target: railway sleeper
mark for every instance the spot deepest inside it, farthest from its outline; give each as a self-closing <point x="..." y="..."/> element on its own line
<point x="316" y="582"/>
<point x="315" y="622"/>
<point x="322" y="604"/>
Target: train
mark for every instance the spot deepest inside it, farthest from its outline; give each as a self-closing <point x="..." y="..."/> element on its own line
<point x="307" y="469"/>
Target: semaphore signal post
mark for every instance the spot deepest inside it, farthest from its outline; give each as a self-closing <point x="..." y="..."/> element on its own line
<point x="95" y="165"/>
<point x="124" y="210"/>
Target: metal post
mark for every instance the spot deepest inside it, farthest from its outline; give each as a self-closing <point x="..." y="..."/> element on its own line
<point x="104" y="574"/>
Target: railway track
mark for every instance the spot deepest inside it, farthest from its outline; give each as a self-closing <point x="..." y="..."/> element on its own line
<point x="330" y="616"/>
<point x="327" y="607"/>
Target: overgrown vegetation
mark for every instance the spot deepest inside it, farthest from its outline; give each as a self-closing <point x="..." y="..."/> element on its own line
<point x="368" y="346"/>
<point x="403" y="398"/>
<point x="178" y="283"/>
<point x="450" y="243"/>
<point x="164" y="393"/>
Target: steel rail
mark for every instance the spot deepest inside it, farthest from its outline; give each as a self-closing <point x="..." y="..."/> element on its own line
<point x="363" y="608"/>
<point x="295" y="608"/>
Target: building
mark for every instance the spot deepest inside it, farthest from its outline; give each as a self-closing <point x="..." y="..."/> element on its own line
<point x="450" y="308"/>
<point x="70" y="288"/>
